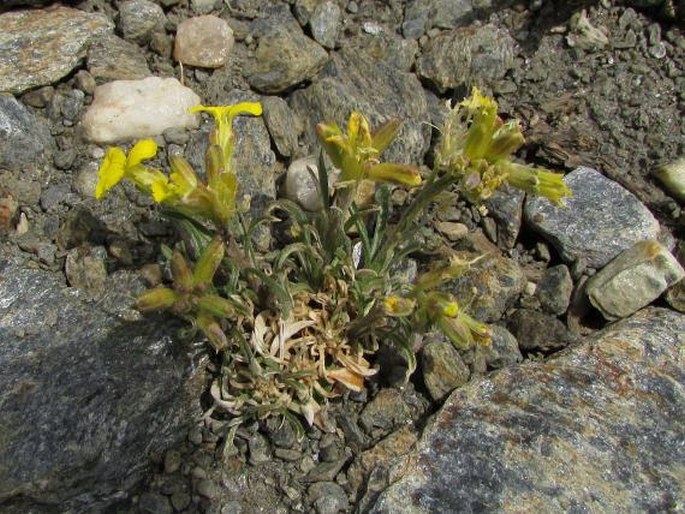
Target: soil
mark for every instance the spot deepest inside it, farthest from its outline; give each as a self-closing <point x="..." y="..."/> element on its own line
<point x="617" y="108"/>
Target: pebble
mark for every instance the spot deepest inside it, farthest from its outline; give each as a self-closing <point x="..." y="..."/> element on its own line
<point x="455" y="58"/>
<point x="207" y="488"/>
<point x="112" y="58"/>
<point x="204" y="41"/>
<point x="385" y="411"/>
<point x="85" y="81"/>
<point x="58" y="39"/>
<point x="490" y="288"/>
<point x="503" y="350"/>
<point x="599" y="221"/>
<point x="24" y="138"/>
<point x="442" y="368"/>
<point x="202" y="6"/>
<point x="128" y="109"/>
<point x="180" y="500"/>
<point x="554" y="289"/>
<point x="172" y="461"/>
<point x="153" y="503"/>
<point x="259" y="449"/>
<point x="325" y="23"/>
<point x="284" y="58"/>
<point x="506" y="207"/>
<point x="452" y="230"/>
<point x="85" y="269"/>
<point x="282" y="124"/>
<point x="672" y="176"/>
<point x="302" y="184"/>
<point x="328" y="498"/>
<point x="139" y="18"/>
<point x="39" y="97"/>
<point x="635" y="278"/>
<point x="538" y="332"/>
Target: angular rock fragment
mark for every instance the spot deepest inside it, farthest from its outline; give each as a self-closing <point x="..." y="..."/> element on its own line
<point x="634" y="279"/>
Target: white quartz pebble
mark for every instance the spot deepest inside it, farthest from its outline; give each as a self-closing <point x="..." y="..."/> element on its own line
<point x="123" y="110"/>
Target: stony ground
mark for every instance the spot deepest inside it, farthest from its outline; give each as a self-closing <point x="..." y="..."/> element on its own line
<point x="596" y="84"/>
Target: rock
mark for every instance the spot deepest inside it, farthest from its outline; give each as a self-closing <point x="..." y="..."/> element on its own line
<point x="635" y="278"/>
<point x="503" y="350"/>
<point x="328" y="498"/>
<point x="672" y="176"/>
<point x="490" y="287"/>
<point x="506" y="207"/>
<point x="577" y="432"/>
<point x="383" y="455"/>
<point x="554" y="289"/>
<point x="41" y="46"/>
<point x="302" y="183"/>
<point x="85" y="270"/>
<point x="128" y="109"/>
<point x="452" y="230"/>
<point x="442" y="368"/>
<point x="325" y="23"/>
<point x="202" y="6"/>
<point x="259" y="449"/>
<point x="282" y="124"/>
<point x="422" y="15"/>
<point x="153" y="503"/>
<point x="386" y="411"/>
<point x="207" y="488"/>
<point x="385" y="47"/>
<point x="203" y="41"/>
<point x="303" y="10"/>
<point x="284" y="58"/>
<point x="112" y="58"/>
<point x="538" y="332"/>
<point x="472" y="55"/>
<point x="113" y="395"/>
<point x="72" y="103"/>
<point x="138" y="19"/>
<point x="675" y="296"/>
<point x="353" y="81"/>
<point x="599" y="221"/>
<point x="24" y="138"/>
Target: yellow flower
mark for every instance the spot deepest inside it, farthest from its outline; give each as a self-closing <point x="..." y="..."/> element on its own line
<point x="223" y="115"/>
<point x="357" y="153"/>
<point x="117" y="165"/>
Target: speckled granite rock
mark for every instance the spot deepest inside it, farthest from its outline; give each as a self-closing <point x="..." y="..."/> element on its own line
<point x="599" y="428"/>
<point x="599" y="221"/>
<point x="86" y="398"/>
<point x="24" y="138"/>
<point x="41" y="46"/>
<point x="353" y="81"/>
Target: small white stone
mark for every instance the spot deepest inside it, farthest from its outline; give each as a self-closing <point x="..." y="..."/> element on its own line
<point x="302" y="184"/>
<point x="203" y="41"/>
<point x="131" y="109"/>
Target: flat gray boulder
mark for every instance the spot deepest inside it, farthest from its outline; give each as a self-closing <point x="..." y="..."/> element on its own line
<point x="88" y="394"/>
<point x="599" y="428"/>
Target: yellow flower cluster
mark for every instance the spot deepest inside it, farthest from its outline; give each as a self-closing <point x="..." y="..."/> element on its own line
<point x="181" y="189"/>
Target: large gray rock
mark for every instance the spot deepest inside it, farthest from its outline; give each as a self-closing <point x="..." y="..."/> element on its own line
<point x="597" y="429"/>
<point x="24" y="138"/>
<point x="86" y="397"/>
<point x="599" y="221"/>
<point x="40" y="47"/>
<point x="354" y="81"/>
<point x="474" y="55"/>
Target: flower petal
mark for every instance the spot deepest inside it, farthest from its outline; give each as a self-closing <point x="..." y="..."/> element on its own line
<point x="111" y="171"/>
<point x="397" y="173"/>
<point x="142" y="150"/>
